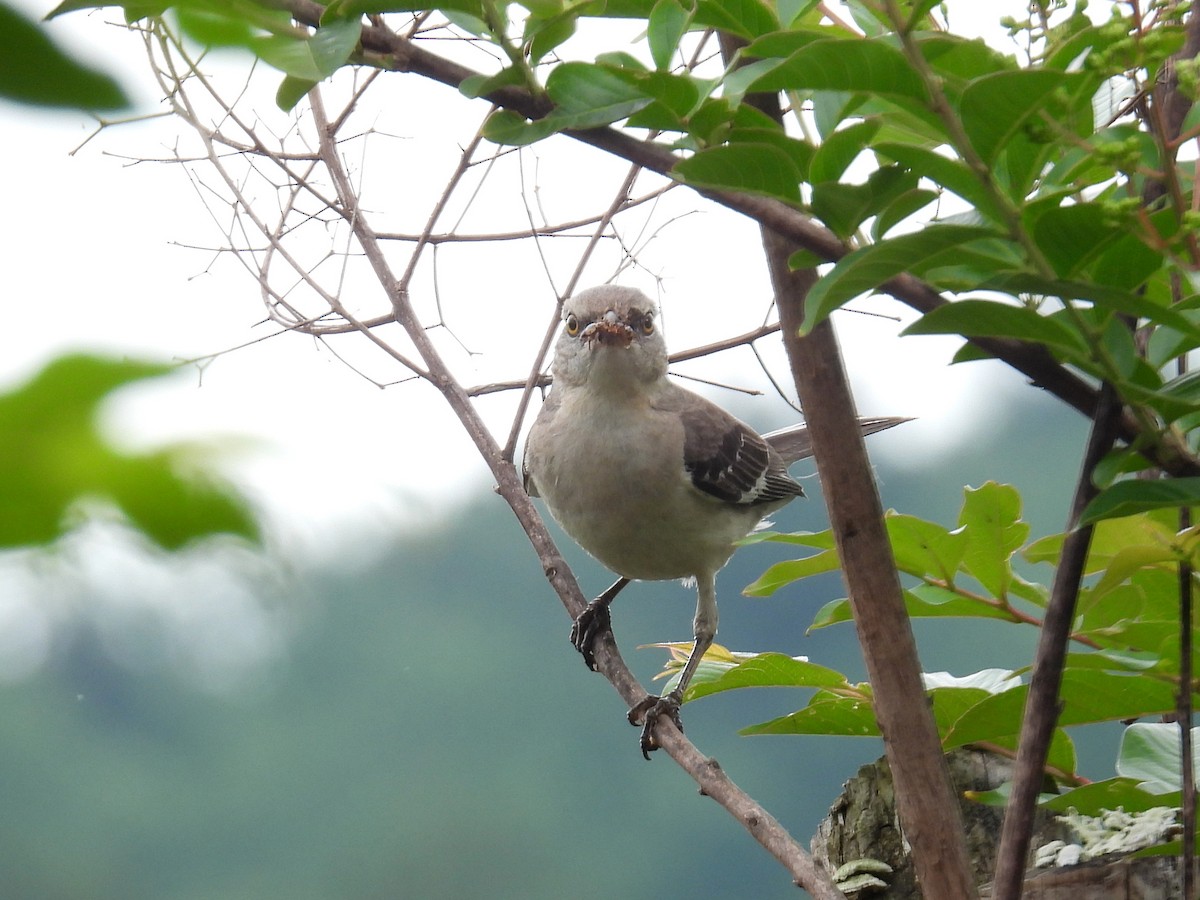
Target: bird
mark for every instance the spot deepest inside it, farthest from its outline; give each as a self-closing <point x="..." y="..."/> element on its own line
<point x="651" y="479"/>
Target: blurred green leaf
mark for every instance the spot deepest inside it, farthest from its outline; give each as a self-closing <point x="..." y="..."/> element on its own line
<point x="35" y="71"/>
<point x="314" y="58"/>
<point x="52" y="457"/>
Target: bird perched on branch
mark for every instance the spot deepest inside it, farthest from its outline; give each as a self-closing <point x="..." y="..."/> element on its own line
<point x="651" y="479"/>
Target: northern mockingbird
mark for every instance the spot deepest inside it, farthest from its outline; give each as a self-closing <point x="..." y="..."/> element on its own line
<point x="654" y="481"/>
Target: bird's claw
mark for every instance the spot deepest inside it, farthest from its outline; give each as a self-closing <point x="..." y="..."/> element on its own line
<point x="593" y="622"/>
<point x="649" y="711"/>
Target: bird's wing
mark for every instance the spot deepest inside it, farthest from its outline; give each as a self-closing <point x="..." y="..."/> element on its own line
<point x="543" y="421"/>
<point x="728" y="460"/>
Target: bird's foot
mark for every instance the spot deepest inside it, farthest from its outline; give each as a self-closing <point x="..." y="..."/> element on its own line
<point x="649" y="711"/>
<point x="593" y="622"/>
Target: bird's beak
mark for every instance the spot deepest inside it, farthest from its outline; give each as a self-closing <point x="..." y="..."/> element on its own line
<point x="609" y="331"/>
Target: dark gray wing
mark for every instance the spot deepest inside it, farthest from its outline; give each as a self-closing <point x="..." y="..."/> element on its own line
<point x="728" y="460"/>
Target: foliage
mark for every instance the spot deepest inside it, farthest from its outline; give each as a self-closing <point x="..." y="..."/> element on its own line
<point x="1126" y="629"/>
<point x="55" y="457"/>
<point x="35" y="71"/>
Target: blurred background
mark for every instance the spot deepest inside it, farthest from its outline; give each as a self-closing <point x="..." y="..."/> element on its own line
<point x="380" y="701"/>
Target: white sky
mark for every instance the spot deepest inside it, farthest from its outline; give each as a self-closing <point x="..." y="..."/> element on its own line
<point x="93" y="261"/>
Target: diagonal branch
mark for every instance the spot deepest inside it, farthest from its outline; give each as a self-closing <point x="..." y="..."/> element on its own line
<point x="710" y="778"/>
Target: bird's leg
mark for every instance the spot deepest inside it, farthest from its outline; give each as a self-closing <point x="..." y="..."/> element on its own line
<point x="595" y="621"/>
<point x="704" y="631"/>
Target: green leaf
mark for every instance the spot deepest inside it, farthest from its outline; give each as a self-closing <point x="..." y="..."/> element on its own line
<point x="871" y="266"/>
<point x="851" y="65"/>
<point x="35" y="71"/>
<point x="1088" y="696"/>
<point x="767" y="670"/>
<point x="840" y="149"/>
<point x="990" y="520"/>
<point x="314" y="58"/>
<point x="748" y="18"/>
<point x="586" y="95"/>
<point x="826" y="713"/>
<point x="291" y="91"/>
<point x="925" y="549"/>
<point x="987" y="318"/>
<point x="52" y="456"/>
<point x="951" y="174"/>
<point x="1073" y="235"/>
<point x="1150" y="754"/>
<point x="1139" y="495"/>
<point x="756" y="168"/>
<point x="996" y="107"/>
<point x="667" y="25"/>
<point x="506" y="127"/>
<point x="1100" y="797"/>
<point x="784" y="573"/>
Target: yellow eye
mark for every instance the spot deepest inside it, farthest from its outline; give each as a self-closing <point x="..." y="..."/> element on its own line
<point x="572" y="324"/>
<point x="647" y="325"/>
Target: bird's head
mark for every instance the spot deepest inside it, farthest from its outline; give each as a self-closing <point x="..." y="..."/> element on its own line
<point x="610" y="336"/>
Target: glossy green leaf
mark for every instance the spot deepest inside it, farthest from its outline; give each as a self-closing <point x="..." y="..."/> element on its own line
<point x="35" y="71"/>
<point x="987" y="318"/>
<point x="53" y="455"/>
<point x="1139" y="495"/>
<point x="850" y="65"/>
<point x="866" y="269"/>
<point x="755" y="168"/>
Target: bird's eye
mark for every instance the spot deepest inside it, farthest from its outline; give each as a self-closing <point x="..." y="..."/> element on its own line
<point x="572" y="323"/>
<point x="648" y="325"/>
